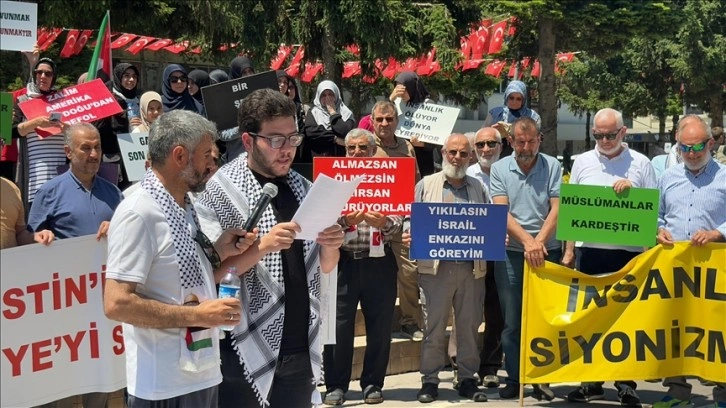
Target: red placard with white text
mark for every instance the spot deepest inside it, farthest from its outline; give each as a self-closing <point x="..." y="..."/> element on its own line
<point x="86" y="102"/>
<point x="387" y="187"/>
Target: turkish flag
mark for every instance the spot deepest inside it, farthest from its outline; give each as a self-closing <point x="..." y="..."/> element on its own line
<point x="481" y="44"/>
<point x="535" y="69"/>
<point x="293" y="70"/>
<point x="495" y="68"/>
<point x="42" y="35"/>
<point x="565" y="57"/>
<point x="391" y="68"/>
<point x="70" y="45"/>
<point x="225" y="47"/>
<point x="139" y="45"/>
<point x="124" y="39"/>
<point x="282" y="53"/>
<point x="299" y="55"/>
<point x="353" y="49"/>
<point x="351" y="68"/>
<point x="512" y="27"/>
<point x="311" y="70"/>
<point x="82" y="41"/>
<point x="178" y="47"/>
<point x="53" y="33"/>
<point x="426" y="63"/>
<point x="196" y="50"/>
<point x="471" y="64"/>
<point x="497" y="37"/>
<point x="409" y="65"/>
<point x="159" y="44"/>
<point x="466" y="47"/>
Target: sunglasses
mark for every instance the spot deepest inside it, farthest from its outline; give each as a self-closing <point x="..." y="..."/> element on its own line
<point x="461" y="154"/>
<point x="41" y="73"/>
<point x="693" y="148"/>
<point x="276" y="142"/>
<point x="489" y="143"/>
<point x="362" y="148"/>
<point x="608" y="136"/>
<point x="175" y="79"/>
<point x="208" y="249"/>
<point x="388" y="119"/>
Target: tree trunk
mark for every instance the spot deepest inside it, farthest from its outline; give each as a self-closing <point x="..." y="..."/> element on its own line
<point x="661" y="126"/>
<point x="332" y="69"/>
<point x="676" y="118"/>
<point x="716" y="112"/>
<point x="546" y="88"/>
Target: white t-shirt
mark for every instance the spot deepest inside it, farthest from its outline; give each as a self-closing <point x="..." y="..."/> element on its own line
<point x="595" y="169"/>
<point x="141" y="250"/>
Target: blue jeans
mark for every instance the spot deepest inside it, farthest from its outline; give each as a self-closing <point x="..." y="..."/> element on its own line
<point x="509" y="277"/>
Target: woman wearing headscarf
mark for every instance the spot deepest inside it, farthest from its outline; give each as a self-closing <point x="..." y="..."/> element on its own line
<point x="124" y="86"/>
<point x="151" y="109"/>
<point x="40" y="153"/>
<point x="327" y="123"/>
<point x="174" y="91"/>
<point x="198" y="79"/>
<point x="515" y="106"/>
<point x="241" y="67"/>
<point x="288" y="86"/>
<point x="408" y="88"/>
<point x="217" y="76"/>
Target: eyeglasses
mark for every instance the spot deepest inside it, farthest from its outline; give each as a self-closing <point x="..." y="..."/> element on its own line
<point x="276" y="142"/>
<point x="174" y="79"/>
<point x="693" y="148"/>
<point x="461" y="154"/>
<point x="608" y="136"/>
<point x="489" y="143"/>
<point x="208" y="249"/>
<point x="362" y="148"/>
<point x="41" y="73"/>
<point x="388" y="119"/>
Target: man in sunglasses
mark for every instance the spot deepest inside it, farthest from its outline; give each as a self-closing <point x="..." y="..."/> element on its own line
<point x="366" y="274"/>
<point x="611" y="163"/>
<point x="446" y="283"/>
<point x="692" y="197"/>
<point x="274" y="355"/>
<point x="385" y="121"/>
<point x="529" y="182"/>
<point x="162" y="269"/>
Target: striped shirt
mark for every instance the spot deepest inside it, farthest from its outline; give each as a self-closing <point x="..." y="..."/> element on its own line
<point x="45" y="155"/>
<point x="689" y="202"/>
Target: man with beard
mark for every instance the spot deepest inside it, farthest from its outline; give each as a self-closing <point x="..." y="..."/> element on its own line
<point x="488" y="148"/>
<point x="162" y="269"/>
<point x="529" y="182"/>
<point x="692" y="195"/>
<point x="446" y="283"/>
<point x="610" y="163"/>
<point x="273" y="357"/>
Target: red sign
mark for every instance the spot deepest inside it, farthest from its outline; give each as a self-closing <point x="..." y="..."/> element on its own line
<point x="86" y="102"/>
<point x="387" y="186"/>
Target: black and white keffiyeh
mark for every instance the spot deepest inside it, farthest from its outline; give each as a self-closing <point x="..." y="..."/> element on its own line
<point x="226" y="203"/>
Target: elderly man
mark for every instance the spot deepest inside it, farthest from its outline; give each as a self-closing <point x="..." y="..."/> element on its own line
<point x="692" y="197"/>
<point x="529" y="182"/>
<point x="385" y="121"/>
<point x="610" y="163"/>
<point x="276" y="357"/>
<point x="446" y="283"/>
<point x="161" y="272"/>
<point x="366" y="274"/>
<point x="488" y="148"/>
<point x="77" y="202"/>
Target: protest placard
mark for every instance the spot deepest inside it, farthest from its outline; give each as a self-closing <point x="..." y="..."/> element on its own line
<point x="18" y="25"/>
<point x="429" y="122"/>
<point x="387" y="186"/>
<point x="458" y="231"/>
<point x="86" y="102"/>
<point x="662" y="315"/>
<point x="54" y="330"/>
<point x="221" y="101"/>
<point x="6" y="117"/>
<point x="134" y="152"/>
<point x="599" y="215"/>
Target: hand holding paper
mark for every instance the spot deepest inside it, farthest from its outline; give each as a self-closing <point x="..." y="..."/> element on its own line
<point x="322" y="205"/>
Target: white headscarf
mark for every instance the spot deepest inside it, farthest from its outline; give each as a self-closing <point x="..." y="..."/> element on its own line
<point x="320" y="113"/>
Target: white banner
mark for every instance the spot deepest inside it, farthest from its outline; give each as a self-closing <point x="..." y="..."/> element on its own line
<point x="134" y="151"/>
<point x="429" y="122"/>
<point x="56" y="341"/>
<point x="18" y="25"/>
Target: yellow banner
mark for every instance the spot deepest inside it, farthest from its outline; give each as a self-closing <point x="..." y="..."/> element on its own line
<point x="663" y="314"/>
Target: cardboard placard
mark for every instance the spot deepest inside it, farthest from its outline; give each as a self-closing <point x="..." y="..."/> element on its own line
<point x="134" y="152"/>
<point x="429" y="122"/>
<point x="221" y="101"/>
<point x="6" y="117"/>
<point x="18" y="25"/>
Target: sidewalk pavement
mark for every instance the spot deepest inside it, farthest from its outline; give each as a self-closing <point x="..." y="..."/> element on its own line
<point x="400" y="391"/>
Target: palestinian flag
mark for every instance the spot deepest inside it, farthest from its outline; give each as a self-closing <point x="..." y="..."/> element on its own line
<point x="197" y="338"/>
<point x="101" y="60"/>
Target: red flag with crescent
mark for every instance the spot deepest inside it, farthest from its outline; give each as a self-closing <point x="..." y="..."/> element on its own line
<point x="140" y="44"/>
<point x="82" y="41"/>
<point x="123" y="39"/>
<point x="497" y="37"/>
<point x="70" y="44"/>
<point x="53" y="33"/>
<point x="282" y="53"/>
<point x="159" y="44"/>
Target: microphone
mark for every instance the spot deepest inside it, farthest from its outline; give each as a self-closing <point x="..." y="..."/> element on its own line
<point x="269" y="191"/>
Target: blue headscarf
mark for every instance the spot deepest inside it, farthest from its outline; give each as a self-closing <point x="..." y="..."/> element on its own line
<point x="504" y="113"/>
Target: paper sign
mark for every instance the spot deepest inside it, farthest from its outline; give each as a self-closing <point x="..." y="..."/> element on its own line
<point x="387" y="186"/>
<point x="431" y="123"/>
<point x="221" y="101"/>
<point x="322" y="205"/>
<point x="597" y="214"/>
<point x="134" y="152"/>
<point x="6" y="117"/>
<point x="458" y="231"/>
<point x="86" y="102"/>
<point x="18" y="25"/>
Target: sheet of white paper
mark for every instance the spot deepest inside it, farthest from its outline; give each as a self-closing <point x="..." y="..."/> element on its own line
<point x="322" y="205"/>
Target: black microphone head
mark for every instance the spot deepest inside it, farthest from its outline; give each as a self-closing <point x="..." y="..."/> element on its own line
<point x="270" y="189"/>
